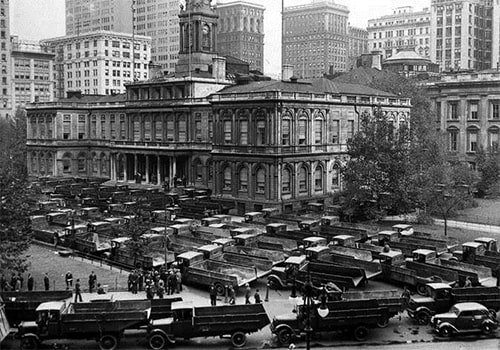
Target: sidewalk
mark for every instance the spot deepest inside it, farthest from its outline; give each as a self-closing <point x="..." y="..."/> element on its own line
<point x="470" y="226"/>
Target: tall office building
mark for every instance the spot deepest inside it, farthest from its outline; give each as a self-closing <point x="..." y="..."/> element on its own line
<point x="6" y="74"/>
<point x="315" y="38"/>
<point x="241" y="32"/>
<point x="358" y="44"/>
<point x="159" y="19"/>
<point x="402" y="30"/>
<point x="99" y="63"/>
<point x="495" y="54"/>
<point x="32" y="72"/>
<point x="461" y="36"/>
<point x="85" y="16"/>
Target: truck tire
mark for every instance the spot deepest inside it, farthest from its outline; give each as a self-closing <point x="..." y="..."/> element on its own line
<point x="238" y="339"/>
<point x="421" y="289"/>
<point x="360" y="333"/>
<point x="383" y="322"/>
<point x="157" y="341"/>
<point x="273" y="283"/>
<point x="29" y="343"/>
<point x="445" y="332"/>
<point x="221" y="291"/>
<point x="487" y="328"/>
<point x="108" y="342"/>
<point x="423" y="318"/>
<point x="285" y="336"/>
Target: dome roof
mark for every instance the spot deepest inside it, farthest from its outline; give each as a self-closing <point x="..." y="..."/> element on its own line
<point x="407" y="55"/>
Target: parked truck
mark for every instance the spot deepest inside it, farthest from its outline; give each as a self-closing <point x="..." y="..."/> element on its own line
<point x="441" y="297"/>
<point x="59" y="320"/>
<point x="355" y="316"/>
<point x="4" y="323"/>
<point x="197" y="270"/>
<point x="188" y="321"/>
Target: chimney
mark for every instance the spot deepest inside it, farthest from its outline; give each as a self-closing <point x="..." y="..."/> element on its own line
<point x="287" y="72"/>
<point x="377" y="61"/>
<point x="219" y="68"/>
<point x="154" y="70"/>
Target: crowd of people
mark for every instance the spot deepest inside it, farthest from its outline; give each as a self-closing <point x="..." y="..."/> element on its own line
<point x="16" y="283"/>
<point x="155" y="282"/>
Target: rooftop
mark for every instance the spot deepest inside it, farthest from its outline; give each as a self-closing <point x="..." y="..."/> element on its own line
<point x="405" y="56"/>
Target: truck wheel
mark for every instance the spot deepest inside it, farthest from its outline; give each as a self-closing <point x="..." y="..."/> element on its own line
<point x="422" y="289"/>
<point x="285" y="336"/>
<point x="238" y="339"/>
<point x="273" y="283"/>
<point x="157" y="341"/>
<point x="445" y="332"/>
<point x="108" y="342"/>
<point x="383" y="322"/>
<point x="29" y="343"/>
<point x="221" y="291"/>
<point x="361" y="333"/>
<point x="487" y="328"/>
<point x="423" y="318"/>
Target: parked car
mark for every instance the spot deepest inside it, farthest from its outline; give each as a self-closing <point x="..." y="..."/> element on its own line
<point x="465" y="318"/>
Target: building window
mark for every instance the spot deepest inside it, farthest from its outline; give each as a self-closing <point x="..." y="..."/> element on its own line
<point x="453" y="140"/>
<point x="303" y="180"/>
<point x="318" y="178"/>
<point x="438" y="111"/>
<point x="261" y="133"/>
<point x="182" y="130"/>
<point x="244" y="132"/>
<point x="227" y="131"/>
<point x="318" y="131"/>
<point x="473" y="111"/>
<point x="66" y="127"/>
<point x="452" y="110"/>
<point x="302" y="129"/>
<point x="147" y="129"/>
<point x="123" y="135"/>
<point x="227" y="179"/>
<point x="495" y="110"/>
<point x="81" y="164"/>
<point x="137" y="129"/>
<point x="197" y="127"/>
<point x="261" y="181"/>
<point x="285" y="132"/>
<point x="210" y="130"/>
<point x="335" y="131"/>
<point x="112" y="122"/>
<point x="472" y="140"/>
<point x="93" y="127"/>
<point x="493" y="139"/>
<point x="286" y="180"/>
<point x="335" y="177"/>
<point x="66" y="165"/>
<point x="81" y="127"/>
<point x="244" y="179"/>
<point x="350" y="130"/>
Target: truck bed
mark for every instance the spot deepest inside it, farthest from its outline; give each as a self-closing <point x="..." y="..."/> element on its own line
<point x="274" y="256"/>
<point x="209" y="271"/>
<point x="478" y="274"/>
<point x="226" y="319"/>
<point x="387" y="298"/>
<point x="359" y="254"/>
<point x="349" y="277"/>
<point x="372" y="268"/>
<point x="348" y="313"/>
<point x="262" y="266"/>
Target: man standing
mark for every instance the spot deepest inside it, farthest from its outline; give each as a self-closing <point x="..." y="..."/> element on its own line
<point x="213" y="295"/>
<point x="31" y="282"/>
<point x="248" y="293"/>
<point x="92" y="281"/>
<point x="69" y="280"/>
<point x="46" y="281"/>
<point x="78" y="291"/>
<point x="257" y="297"/>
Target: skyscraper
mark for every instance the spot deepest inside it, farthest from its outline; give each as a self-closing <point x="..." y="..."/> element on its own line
<point x="461" y="34"/>
<point x="358" y="44"/>
<point x="241" y="32"/>
<point x="84" y="16"/>
<point x="6" y="75"/>
<point x="315" y="38"/>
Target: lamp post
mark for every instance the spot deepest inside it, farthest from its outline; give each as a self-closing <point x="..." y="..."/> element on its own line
<point x="166" y="239"/>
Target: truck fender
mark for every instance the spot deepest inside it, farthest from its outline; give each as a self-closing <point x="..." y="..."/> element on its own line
<point x="447" y="324"/>
<point x="287" y="328"/>
<point x="277" y="279"/>
<point x="31" y="335"/>
<point x="169" y="337"/>
<point x="423" y="309"/>
<point x="420" y="311"/>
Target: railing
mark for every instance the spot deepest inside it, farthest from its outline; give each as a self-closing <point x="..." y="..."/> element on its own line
<point x="164" y="145"/>
<point x="166" y="102"/>
<point x="279" y="149"/>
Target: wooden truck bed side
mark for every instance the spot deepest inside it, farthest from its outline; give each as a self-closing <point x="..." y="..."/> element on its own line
<point x="274" y="256"/>
<point x="372" y="268"/>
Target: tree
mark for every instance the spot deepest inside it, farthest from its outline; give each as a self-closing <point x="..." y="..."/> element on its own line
<point x="136" y="244"/>
<point x="489" y="170"/>
<point x="377" y="173"/>
<point x="15" y="195"/>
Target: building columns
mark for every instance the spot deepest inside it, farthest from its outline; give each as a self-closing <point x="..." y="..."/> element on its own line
<point x="135" y="165"/>
<point x="147" y="168"/>
<point x="158" y="171"/>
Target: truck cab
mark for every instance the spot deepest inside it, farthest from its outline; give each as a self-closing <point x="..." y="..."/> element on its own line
<point x="386" y="237"/>
<point x="255" y="216"/>
<point x="275" y="228"/>
<point x="210" y="221"/>
<point x="187" y="259"/>
<point x="309" y="225"/>
<point x="424" y="255"/>
<point x="224" y="218"/>
<point x="116" y="221"/>
<point x="392" y="258"/>
<point x="283" y="275"/>
<point x="472" y="249"/>
<point x="241" y="231"/>
<point x="344" y="241"/>
<point x="58" y="218"/>
<point x="313" y="241"/>
<point x="224" y="242"/>
<point x="210" y="251"/>
<point x="438" y="299"/>
<point x="268" y="212"/>
<point x="180" y="228"/>
<point x="316" y="253"/>
<point x="47" y="324"/>
<point x="246" y="240"/>
<point x="329" y="220"/>
<point x="100" y="227"/>
<point x="403" y="229"/>
<point x="90" y="212"/>
<point x="489" y="243"/>
<point x="79" y="229"/>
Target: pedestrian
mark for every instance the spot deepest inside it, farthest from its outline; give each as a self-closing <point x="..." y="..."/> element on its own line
<point x="406" y="295"/>
<point x="173" y="284"/>
<point x="230" y="293"/>
<point x="78" y="291"/>
<point x="178" y="275"/>
<point x="21" y="280"/>
<point x="69" y="280"/>
<point x="129" y="281"/>
<point x="140" y="280"/>
<point x="161" y="289"/>
<point x="17" y="287"/>
<point x="135" y="282"/>
<point x="149" y="290"/>
<point x="248" y="293"/>
<point x="100" y="289"/>
<point x="46" y="281"/>
<point x="175" y="180"/>
<point x="92" y="281"/>
<point x="31" y="282"/>
<point x="256" y="296"/>
<point x="167" y="184"/>
<point x="213" y="294"/>
<point x="13" y="280"/>
<point x="468" y="282"/>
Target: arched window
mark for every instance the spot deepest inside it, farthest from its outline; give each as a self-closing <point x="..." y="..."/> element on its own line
<point x="285" y="132"/>
<point x="303" y="180"/>
<point x="286" y="181"/>
<point x="50" y="164"/>
<point x="81" y="163"/>
<point x="493" y="139"/>
<point x="243" y="186"/>
<point x="34" y="167"/>
<point x="472" y="140"/>
<point x="227" y="179"/>
<point x="318" y="178"/>
<point x="41" y="122"/>
<point x="210" y="170"/>
<point x="198" y="170"/>
<point x="335" y="177"/>
<point x="42" y="164"/>
<point x="95" y="164"/>
<point x="66" y="163"/>
<point x="318" y="131"/>
<point x="302" y="130"/>
<point x="261" y="181"/>
<point x="453" y="137"/>
<point x="137" y="129"/>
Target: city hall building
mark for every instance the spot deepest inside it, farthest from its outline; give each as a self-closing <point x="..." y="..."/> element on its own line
<point x="252" y="140"/>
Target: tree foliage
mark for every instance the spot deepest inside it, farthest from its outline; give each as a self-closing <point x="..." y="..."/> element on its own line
<point x="489" y="170"/>
<point x="134" y="230"/>
<point x="15" y="195"/>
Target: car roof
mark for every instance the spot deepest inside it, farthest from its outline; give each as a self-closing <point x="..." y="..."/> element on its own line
<point x="469" y="306"/>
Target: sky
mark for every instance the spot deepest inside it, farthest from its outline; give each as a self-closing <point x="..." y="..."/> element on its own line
<point x="41" y="19"/>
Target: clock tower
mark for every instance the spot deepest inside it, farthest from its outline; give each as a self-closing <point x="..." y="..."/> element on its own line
<point x="198" y="28"/>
